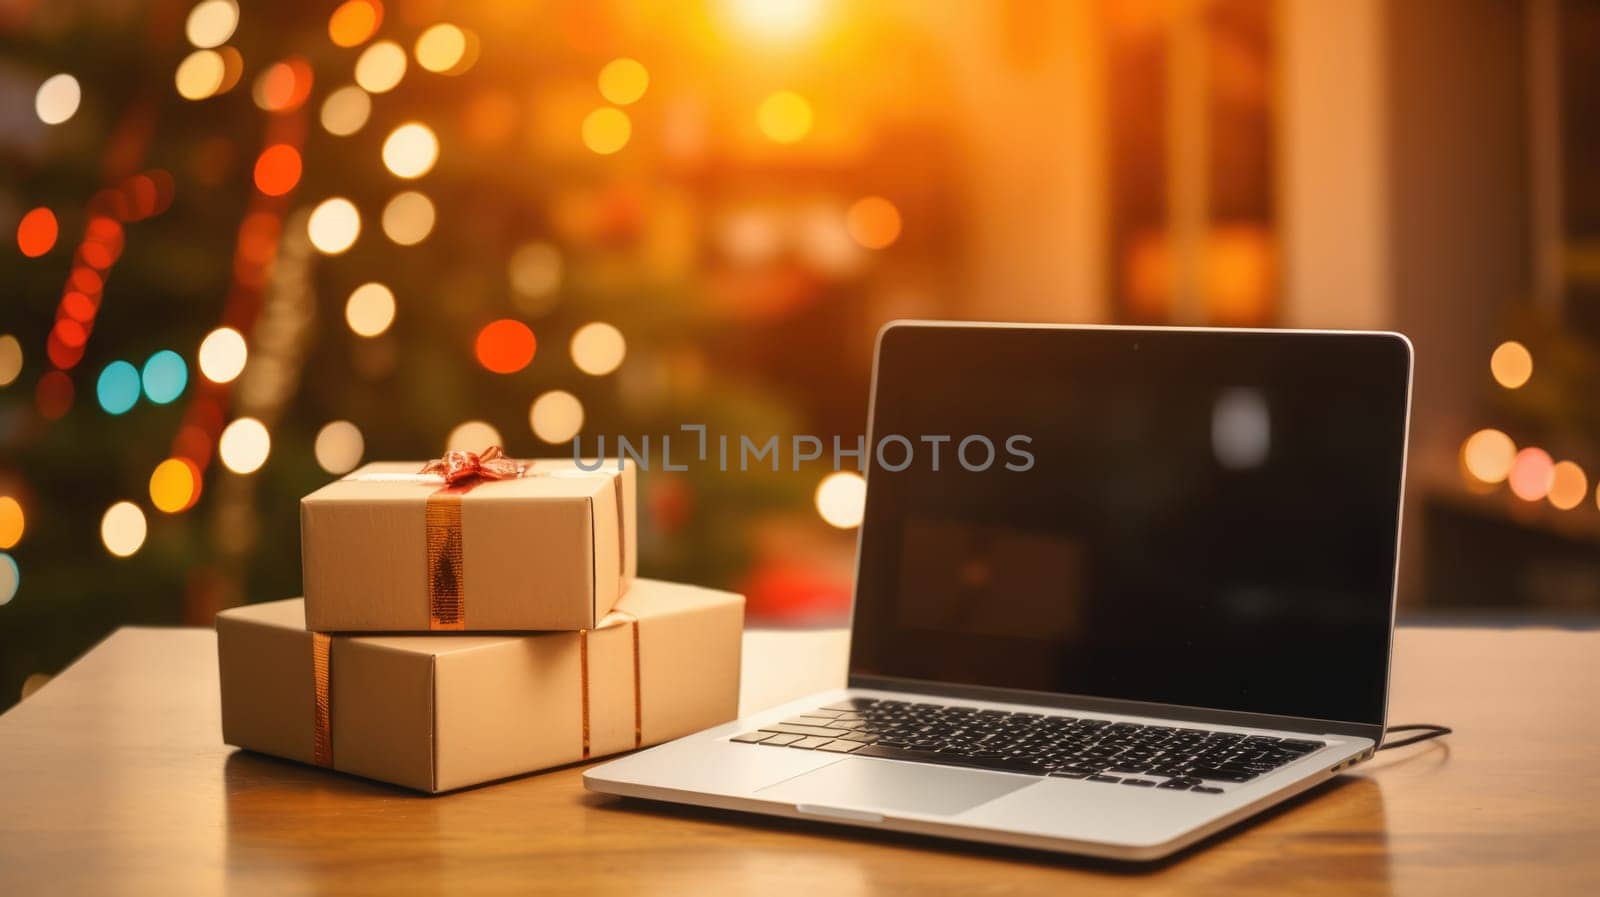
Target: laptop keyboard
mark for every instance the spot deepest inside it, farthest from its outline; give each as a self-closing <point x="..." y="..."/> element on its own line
<point x="1095" y="750"/>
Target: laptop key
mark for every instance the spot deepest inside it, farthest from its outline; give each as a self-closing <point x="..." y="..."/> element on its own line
<point x="751" y="737"/>
<point x="851" y="704"/>
<point x="1206" y="789"/>
<point x="789" y="729"/>
<point x="811" y="742"/>
<point x="1140" y="783"/>
<point x="780" y="740"/>
<point x="1001" y="764"/>
<point x="840" y="746"/>
<point x="1298" y="746"/>
<point x="1103" y="778"/>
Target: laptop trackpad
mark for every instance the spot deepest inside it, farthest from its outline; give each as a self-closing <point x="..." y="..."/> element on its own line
<point x="889" y="787"/>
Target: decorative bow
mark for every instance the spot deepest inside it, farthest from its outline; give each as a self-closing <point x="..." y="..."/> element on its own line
<point x="490" y="464"/>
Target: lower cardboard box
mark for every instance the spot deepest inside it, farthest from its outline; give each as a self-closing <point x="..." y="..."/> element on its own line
<point x="445" y="711"/>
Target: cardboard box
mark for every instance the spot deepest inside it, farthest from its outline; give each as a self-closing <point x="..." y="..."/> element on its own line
<point x="387" y="549"/>
<point x="438" y="712"/>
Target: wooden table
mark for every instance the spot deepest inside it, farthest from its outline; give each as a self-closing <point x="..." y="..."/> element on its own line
<point x="113" y="780"/>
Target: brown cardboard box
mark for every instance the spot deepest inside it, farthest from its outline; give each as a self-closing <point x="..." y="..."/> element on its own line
<point x="438" y="712"/>
<point x="553" y="549"/>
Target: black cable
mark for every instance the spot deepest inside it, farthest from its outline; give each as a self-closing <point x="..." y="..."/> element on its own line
<point x="1427" y="732"/>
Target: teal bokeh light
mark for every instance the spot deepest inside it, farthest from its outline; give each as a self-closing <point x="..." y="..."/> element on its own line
<point x="165" y="376"/>
<point x="118" y="388"/>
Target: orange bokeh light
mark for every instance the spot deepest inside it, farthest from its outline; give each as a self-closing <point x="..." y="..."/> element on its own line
<point x="277" y="169"/>
<point x="873" y="222"/>
<point x="1531" y="474"/>
<point x="354" y="21"/>
<point x="284" y="86"/>
<point x="78" y="306"/>
<point x="505" y="346"/>
<point x="86" y="281"/>
<point x="70" y="334"/>
<point x="37" y="232"/>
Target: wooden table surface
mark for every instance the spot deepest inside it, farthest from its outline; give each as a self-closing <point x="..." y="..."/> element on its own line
<point x="113" y="779"/>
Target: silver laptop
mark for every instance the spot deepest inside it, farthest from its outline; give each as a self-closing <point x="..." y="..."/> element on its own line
<point x="1117" y="589"/>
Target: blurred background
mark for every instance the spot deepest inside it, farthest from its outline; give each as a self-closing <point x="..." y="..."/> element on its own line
<point x="250" y="245"/>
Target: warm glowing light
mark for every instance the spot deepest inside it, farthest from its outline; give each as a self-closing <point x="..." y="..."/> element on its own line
<point x="408" y="218"/>
<point x="10" y="579"/>
<point x="211" y="23"/>
<point x="10" y="359"/>
<point x="606" y="130"/>
<point x="277" y="169"/>
<point x="283" y="86"/>
<point x="535" y="273"/>
<point x="1511" y="364"/>
<point x="1488" y="455"/>
<point x="122" y="529"/>
<point x="12" y="522"/>
<point x="175" y="485"/>
<point x="1531" y="474"/>
<point x="244" y="445"/>
<point x="598" y="348"/>
<point x="200" y="74"/>
<point x="556" y="416"/>
<point x="784" y="117"/>
<point x="354" y="22"/>
<point x="441" y="48"/>
<point x="1568" y="485"/>
<point x="232" y="69"/>
<point x="774" y="20"/>
<point x="370" y="309"/>
<point x="223" y="355"/>
<point x="873" y="222"/>
<point x="334" y="225"/>
<point x="841" y="498"/>
<point x="118" y="387"/>
<point x="623" y="81"/>
<point x="411" y="150"/>
<point x="380" y="67"/>
<point x="37" y="232"/>
<point x="505" y="346"/>
<point x="57" y="99"/>
<point x="346" y="110"/>
<point x="164" y="377"/>
<point x="472" y="436"/>
<point x="339" y="447"/>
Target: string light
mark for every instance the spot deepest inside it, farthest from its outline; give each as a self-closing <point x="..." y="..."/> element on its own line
<point x="841" y="499"/>
<point x="370" y="309"/>
<point x="346" y="110"/>
<point x="441" y="48"/>
<point x="624" y="81"/>
<point x="1488" y="455"/>
<point x="175" y="485"/>
<point x="505" y="346"/>
<point x="118" y="387"/>
<point x="354" y="21"/>
<point x="556" y="416"/>
<point x="244" y="446"/>
<point x="408" y="218"/>
<point x="164" y="377"/>
<point x="873" y="222"/>
<point x="380" y="67"/>
<point x="12" y="522"/>
<point x="10" y="581"/>
<point x="785" y="117"/>
<point x="211" y="23"/>
<point x="123" y="528"/>
<point x="200" y="74"/>
<point x="1568" y="485"/>
<point x="57" y="99"/>
<point x="37" y="232"/>
<point x="411" y="150"/>
<point x="1511" y="364"/>
<point x="1531" y="474"/>
<point x="472" y="436"/>
<point x="339" y="447"/>
<point x="334" y="225"/>
<point x="598" y="348"/>
<point x="606" y="130"/>
<point x="223" y="355"/>
<point x="277" y="169"/>
<point x="10" y="359"/>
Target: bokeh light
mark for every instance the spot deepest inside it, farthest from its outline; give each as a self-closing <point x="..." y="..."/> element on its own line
<point x="211" y="23"/>
<point x="380" y="67"/>
<point x="10" y="580"/>
<point x="277" y="169"/>
<point x="244" y="446"/>
<point x="556" y="416"/>
<point x="122" y="529"/>
<point x="118" y="387"/>
<point x="841" y="498"/>
<point x="175" y="485"/>
<point x="1569" y="486"/>
<point x="408" y="218"/>
<point x="200" y="74"/>
<point x="37" y="232"/>
<point x="223" y="355"/>
<point x="354" y="21"/>
<point x="232" y="69"/>
<point x="334" y="225"/>
<point x="370" y="309"/>
<point x="410" y="150"/>
<point x="598" y="348"/>
<point x="505" y="346"/>
<point x="623" y="81"/>
<point x="472" y="436"/>
<point x="1531" y="474"/>
<point x="1511" y="364"/>
<point x="785" y="117"/>
<point x="12" y="522"/>
<point x="57" y="99"/>
<point x="774" y="20"/>
<point x="283" y="86"/>
<point x="1488" y="455"/>
<point x="339" y="447"/>
<point x="441" y="48"/>
<point x="873" y="222"/>
<point x="10" y="359"/>
<point x="346" y="110"/>
<point x="164" y="376"/>
<point x="606" y="130"/>
<point x="54" y="394"/>
<point x="535" y="274"/>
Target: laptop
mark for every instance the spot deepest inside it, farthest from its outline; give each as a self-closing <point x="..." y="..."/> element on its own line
<point x="1144" y="590"/>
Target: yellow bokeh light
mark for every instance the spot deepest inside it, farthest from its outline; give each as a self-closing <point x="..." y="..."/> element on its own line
<point x="223" y="355"/>
<point x="123" y="528"/>
<point x="1511" y="364"/>
<point x="370" y="309"/>
<point x="410" y="150"/>
<point x="334" y="225"/>
<point x="535" y="274"/>
<point x="10" y="359"/>
<point x="173" y="487"/>
<point x="245" y="445"/>
<point x="1568" y="485"/>
<point x="346" y="110"/>
<point x="57" y="99"/>
<point x="784" y="117"/>
<point x="598" y="348"/>
<point x="1487" y="455"/>
<point x="354" y="21"/>
<point x="774" y="21"/>
<point x="441" y="48"/>
<point x="841" y="498"/>
<point x="12" y="522"/>
<point x="606" y="130"/>
<point x="408" y="218"/>
<point x="624" y="81"/>
<point x="556" y="416"/>
<point x="380" y="67"/>
<point x="472" y="436"/>
<point x="211" y="23"/>
<point x="339" y="447"/>
<point x="200" y="74"/>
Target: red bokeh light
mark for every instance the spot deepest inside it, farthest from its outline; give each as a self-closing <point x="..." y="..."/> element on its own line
<point x="505" y="346"/>
<point x="54" y="395"/>
<point x="37" y="232"/>
<point x="277" y="169"/>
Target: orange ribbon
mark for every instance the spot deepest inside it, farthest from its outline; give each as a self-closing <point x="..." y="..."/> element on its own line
<point x="583" y="666"/>
<point x="322" y="705"/>
<point x="461" y="471"/>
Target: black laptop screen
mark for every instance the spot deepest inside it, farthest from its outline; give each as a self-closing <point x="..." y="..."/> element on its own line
<point x="1198" y="518"/>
